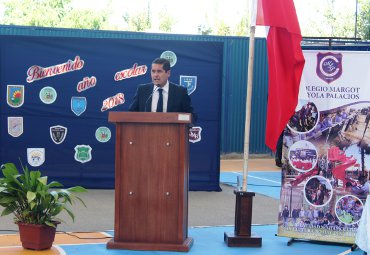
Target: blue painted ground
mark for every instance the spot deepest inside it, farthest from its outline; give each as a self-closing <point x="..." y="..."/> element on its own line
<point x="209" y="241"/>
<point x="266" y="183"/>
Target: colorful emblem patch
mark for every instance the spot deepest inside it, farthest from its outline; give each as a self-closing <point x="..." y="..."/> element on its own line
<point x="58" y="134"/>
<point x="35" y="156"/>
<point x="171" y="56"/>
<point x="48" y="95"/>
<point x="15" y="95"/>
<point x="329" y="66"/>
<point x="195" y="134"/>
<point x="189" y="82"/>
<point x="103" y="134"/>
<point x="78" y="105"/>
<point x="15" y="126"/>
<point x="83" y="153"/>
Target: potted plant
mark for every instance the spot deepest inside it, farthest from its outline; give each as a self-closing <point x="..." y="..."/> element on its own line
<point x="35" y="204"/>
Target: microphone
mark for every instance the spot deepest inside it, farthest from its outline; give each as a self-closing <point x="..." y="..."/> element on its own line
<point x="150" y="96"/>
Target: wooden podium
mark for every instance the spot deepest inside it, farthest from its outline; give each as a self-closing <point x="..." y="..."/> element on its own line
<point x="151" y="181"/>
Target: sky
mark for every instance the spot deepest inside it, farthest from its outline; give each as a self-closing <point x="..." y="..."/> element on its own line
<point x="190" y="13"/>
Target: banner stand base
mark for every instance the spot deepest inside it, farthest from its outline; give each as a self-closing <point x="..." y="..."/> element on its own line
<point x="291" y="240"/>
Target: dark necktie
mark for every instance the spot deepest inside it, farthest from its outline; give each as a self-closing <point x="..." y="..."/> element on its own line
<point x="160" y="101"/>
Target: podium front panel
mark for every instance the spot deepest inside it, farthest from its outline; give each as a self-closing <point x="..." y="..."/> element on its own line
<point x="151" y="195"/>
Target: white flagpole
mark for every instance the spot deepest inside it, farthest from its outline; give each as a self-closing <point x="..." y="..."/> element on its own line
<point x="249" y="93"/>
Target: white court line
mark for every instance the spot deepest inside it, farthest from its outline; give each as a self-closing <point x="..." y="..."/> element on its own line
<point x="345" y="252"/>
<point x="264" y="179"/>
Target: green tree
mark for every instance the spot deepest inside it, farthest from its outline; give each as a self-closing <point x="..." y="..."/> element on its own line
<point x="242" y="28"/>
<point x="139" y="21"/>
<point x="52" y="13"/>
<point x="222" y="28"/>
<point x="35" y="13"/>
<point x="85" y="19"/>
<point x="166" y="21"/>
<point x="204" y="29"/>
<point x="363" y="19"/>
<point x="329" y="19"/>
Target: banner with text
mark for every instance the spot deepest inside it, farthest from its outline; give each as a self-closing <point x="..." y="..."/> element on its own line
<point x="326" y="151"/>
<point x="56" y="93"/>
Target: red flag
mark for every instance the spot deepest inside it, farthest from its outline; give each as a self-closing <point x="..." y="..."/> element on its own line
<point x="285" y="61"/>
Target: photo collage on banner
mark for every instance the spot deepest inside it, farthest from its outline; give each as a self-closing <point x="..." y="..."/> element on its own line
<point x="326" y="151"/>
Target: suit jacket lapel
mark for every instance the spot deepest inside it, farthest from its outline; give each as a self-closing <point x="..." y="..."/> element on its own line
<point x="146" y="95"/>
<point x="171" y="98"/>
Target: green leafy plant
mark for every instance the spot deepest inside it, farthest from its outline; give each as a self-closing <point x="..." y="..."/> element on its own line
<point x="31" y="199"/>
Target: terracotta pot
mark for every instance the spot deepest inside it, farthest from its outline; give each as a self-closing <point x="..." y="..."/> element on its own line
<point x="36" y="237"/>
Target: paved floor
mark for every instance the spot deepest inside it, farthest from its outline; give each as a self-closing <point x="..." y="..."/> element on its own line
<point x="205" y="208"/>
<point x="254" y="164"/>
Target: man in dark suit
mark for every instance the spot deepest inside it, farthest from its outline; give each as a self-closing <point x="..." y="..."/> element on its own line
<point x="161" y="95"/>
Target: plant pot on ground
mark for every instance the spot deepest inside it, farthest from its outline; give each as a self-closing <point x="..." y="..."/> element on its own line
<point x="35" y="204"/>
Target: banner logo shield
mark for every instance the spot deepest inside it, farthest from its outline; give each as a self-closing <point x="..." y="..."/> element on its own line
<point x="35" y="156"/>
<point x="83" y="153"/>
<point x="103" y="134"/>
<point x="58" y="134"/>
<point x="195" y="134"/>
<point x="189" y="82"/>
<point x="78" y="105"/>
<point x="48" y="95"/>
<point x="15" y="126"/>
<point x="170" y="56"/>
<point x="329" y="66"/>
<point x="15" y="95"/>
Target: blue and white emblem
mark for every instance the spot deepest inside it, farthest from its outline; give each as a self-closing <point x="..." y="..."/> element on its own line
<point x="170" y="56"/>
<point x="78" y="105"/>
<point x="189" y="82"/>
<point x="15" y="126"/>
<point x="35" y="156"/>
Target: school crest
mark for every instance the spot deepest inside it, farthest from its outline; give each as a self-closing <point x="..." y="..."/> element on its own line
<point x="35" y="156"/>
<point x="58" y="134"/>
<point x="83" y="153"/>
<point x="170" y="56"/>
<point x="189" y="82"/>
<point x="103" y="134"/>
<point x="15" y="126"/>
<point x="15" y="95"/>
<point x="329" y="66"/>
<point x="195" y="134"/>
<point x="78" y="105"/>
<point x="48" y="95"/>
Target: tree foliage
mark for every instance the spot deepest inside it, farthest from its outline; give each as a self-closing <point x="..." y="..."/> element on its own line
<point x="327" y="18"/>
<point x="364" y="19"/>
<point x="331" y="19"/>
<point x="166" y="21"/>
<point x="35" y="13"/>
<point x="51" y="13"/>
<point x="139" y="21"/>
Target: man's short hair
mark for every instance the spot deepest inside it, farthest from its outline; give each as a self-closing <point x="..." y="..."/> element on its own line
<point x="164" y="62"/>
